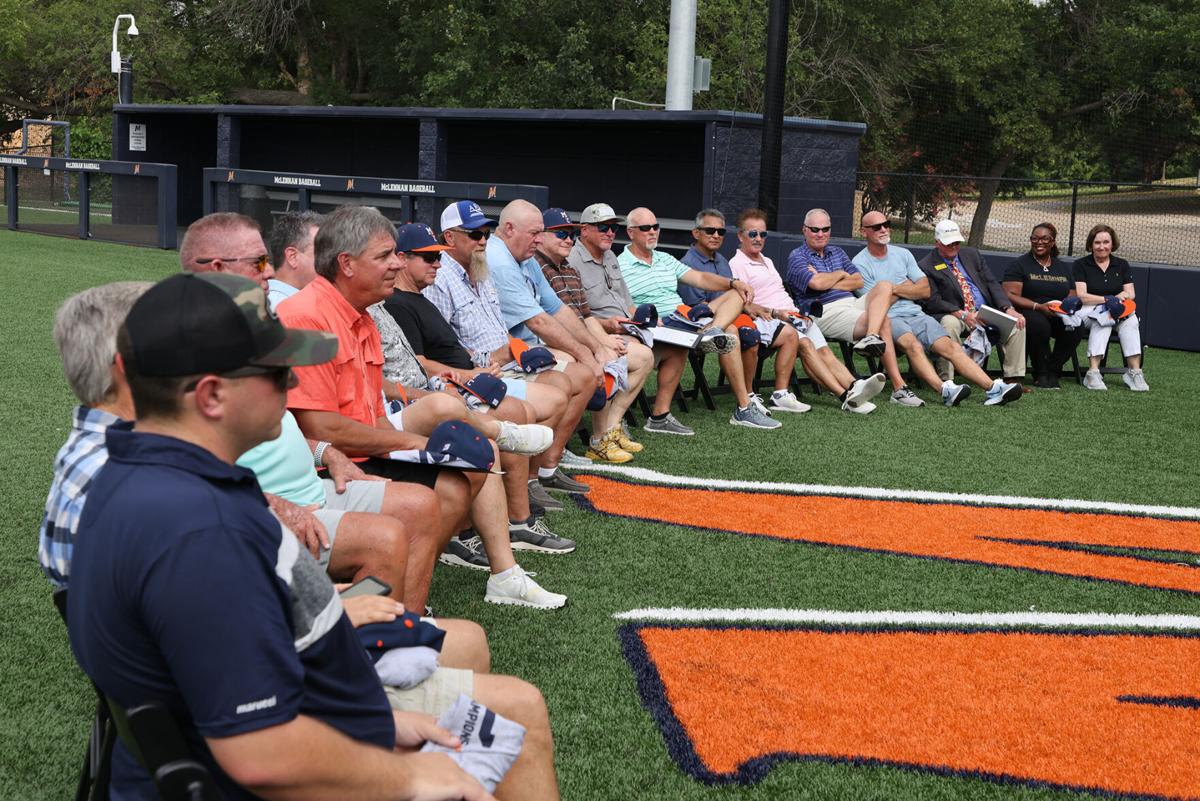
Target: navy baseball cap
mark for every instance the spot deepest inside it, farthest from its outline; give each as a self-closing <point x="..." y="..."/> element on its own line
<point x="455" y="439"/>
<point x="557" y="218"/>
<point x="417" y="238"/>
<point x="748" y="336"/>
<point x="699" y="312"/>
<point x="531" y="359"/>
<point x="486" y="387"/>
<point x="464" y="214"/>
<point x="646" y="315"/>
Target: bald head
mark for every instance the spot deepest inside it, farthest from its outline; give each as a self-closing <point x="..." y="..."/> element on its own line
<point x="520" y="228"/>
<point x="642" y="242"/>
<point x="640" y="216"/>
<point x="226" y="242"/>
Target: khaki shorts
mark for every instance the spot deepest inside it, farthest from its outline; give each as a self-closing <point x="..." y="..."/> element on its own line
<point x="838" y="319"/>
<point x="434" y="695"/>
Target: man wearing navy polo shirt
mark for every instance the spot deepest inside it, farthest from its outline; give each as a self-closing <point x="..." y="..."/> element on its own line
<point x="187" y="592"/>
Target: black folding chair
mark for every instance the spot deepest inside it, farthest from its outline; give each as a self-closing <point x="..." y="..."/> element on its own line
<point x="97" y="755"/>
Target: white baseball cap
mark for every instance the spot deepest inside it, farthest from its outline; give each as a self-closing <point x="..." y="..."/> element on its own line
<point x="947" y="233"/>
<point x="598" y="213"/>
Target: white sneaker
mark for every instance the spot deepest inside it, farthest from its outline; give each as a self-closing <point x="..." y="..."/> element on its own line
<point x="1135" y="379"/>
<point x="519" y="589"/>
<point x="864" y="389"/>
<point x="1093" y="380"/>
<point x="786" y="401"/>
<point x="954" y="394"/>
<point x="527" y="440"/>
<point x="866" y="407"/>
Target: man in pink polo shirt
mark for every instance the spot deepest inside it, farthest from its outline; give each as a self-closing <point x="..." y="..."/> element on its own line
<point x="782" y="326"/>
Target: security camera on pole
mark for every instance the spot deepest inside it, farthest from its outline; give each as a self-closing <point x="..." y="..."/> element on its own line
<point x="123" y="68"/>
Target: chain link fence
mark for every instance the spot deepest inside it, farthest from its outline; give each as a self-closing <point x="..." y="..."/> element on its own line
<point x="1157" y="223"/>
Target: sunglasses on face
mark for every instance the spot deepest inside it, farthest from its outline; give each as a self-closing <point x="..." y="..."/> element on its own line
<point x="756" y="234"/>
<point x="645" y="229"/>
<point x="564" y="233"/>
<point x="606" y="228"/>
<point x="816" y="230"/>
<point x="712" y="231"/>
<point x="260" y="262"/>
<point x="429" y="257"/>
<point x="879" y="226"/>
<point x="476" y="235"/>
<point x="281" y="377"/>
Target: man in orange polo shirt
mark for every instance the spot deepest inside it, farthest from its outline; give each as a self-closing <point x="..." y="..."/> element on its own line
<point x="343" y="402"/>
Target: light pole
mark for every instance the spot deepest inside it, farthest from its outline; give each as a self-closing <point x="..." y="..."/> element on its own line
<point x="133" y="31"/>
<point x="123" y="68"/>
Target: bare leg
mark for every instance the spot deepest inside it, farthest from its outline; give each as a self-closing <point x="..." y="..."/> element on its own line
<point x="820" y="369"/>
<point x="726" y="308"/>
<point x="891" y="365"/>
<point x="919" y="361"/>
<point x="879" y="300"/>
<point x="670" y="370"/>
<point x="371" y="545"/>
<point x="641" y="361"/>
<point x="731" y="363"/>
<point x="514" y="465"/>
<point x="420" y="509"/>
<point x="787" y="346"/>
<point x="532" y="775"/>
<point x="465" y="645"/>
<point x="952" y="352"/>
<point x="577" y="382"/>
<point x="749" y="365"/>
<point x="841" y="376"/>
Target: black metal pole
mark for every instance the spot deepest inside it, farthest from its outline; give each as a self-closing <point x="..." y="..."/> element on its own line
<point x="125" y="84"/>
<point x="772" y="133"/>
<point x="1074" y="206"/>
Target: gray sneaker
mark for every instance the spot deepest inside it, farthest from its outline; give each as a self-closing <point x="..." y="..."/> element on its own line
<point x="1093" y="380"/>
<point x="465" y="552"/>
<point x="573" y="460"/>
<point x="906" y="397"/>
<point x="533" y="535"/>
<point x="1135" y="379"/>
<point x="752" y="417"/>
<point x="538" y="496"/>
<point x="871" y="345"/>
<point x="668" y="425"/>
<point x="563" y="483"/>
<point x="714" y="340"/>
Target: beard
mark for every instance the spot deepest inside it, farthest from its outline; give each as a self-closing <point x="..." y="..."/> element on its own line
<point x="478" y="268"/>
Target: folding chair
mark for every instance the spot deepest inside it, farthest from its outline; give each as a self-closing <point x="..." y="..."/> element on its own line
<point x="97" y="755"/>
<point x="153" y="736"/>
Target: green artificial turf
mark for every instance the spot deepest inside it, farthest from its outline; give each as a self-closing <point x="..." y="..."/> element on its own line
<point x="1115" y="446"/>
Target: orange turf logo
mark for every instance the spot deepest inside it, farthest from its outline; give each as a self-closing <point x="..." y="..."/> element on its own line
<point x="1144" y="551"/>
<point x="1109" y="712"/>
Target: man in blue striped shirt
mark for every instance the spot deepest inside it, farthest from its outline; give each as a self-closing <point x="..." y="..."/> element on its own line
<point x="85" y="331"/>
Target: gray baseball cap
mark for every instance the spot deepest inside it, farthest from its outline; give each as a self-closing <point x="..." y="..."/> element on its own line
<point x="600" y="212"/>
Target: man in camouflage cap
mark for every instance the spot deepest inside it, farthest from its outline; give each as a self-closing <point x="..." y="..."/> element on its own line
<point x="187" y="591"/>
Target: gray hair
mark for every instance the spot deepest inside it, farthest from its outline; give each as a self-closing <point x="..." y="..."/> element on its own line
<point x="813" y="212"/>
<point x="292" y="230"/>
<point x="700" y="215"/>
<point x="219" y="223"/>
<point x="85" y="330"/>
<point x="347" y="230"/>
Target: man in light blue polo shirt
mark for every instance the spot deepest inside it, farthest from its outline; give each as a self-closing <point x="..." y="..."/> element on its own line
<point x="913" y="330"/>
<point x="534" y="314"/>
<point x="653" y="276"/>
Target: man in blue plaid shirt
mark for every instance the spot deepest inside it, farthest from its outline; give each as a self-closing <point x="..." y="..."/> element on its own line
<point x="85" y="331"/>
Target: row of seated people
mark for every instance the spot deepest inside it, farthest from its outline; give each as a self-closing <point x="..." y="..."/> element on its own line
<point x="428" y="344"/>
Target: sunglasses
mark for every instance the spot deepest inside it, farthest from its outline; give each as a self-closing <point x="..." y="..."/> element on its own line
<point x="645" y="229"/>
<point x="429" y="256"/>
<point x="282" y="377"/>
<point x="817" y="230"/>
<point x="564" y="233"/>
<point x="475" y="235"/>
<point x="260" y="262"/>
<point x="606" y="228"/>
<point x="879" y="226"/>
<point x="712" y="231"/>
<point x="756" y="234"/>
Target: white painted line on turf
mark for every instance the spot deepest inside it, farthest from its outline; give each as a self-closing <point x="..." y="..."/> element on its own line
<point x="884" y="494"/>
<point x="895" y="618"/>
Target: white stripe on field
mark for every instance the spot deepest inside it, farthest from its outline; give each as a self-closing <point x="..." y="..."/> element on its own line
<point x="988" y="619"/>
<point x="884" y="494"/>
